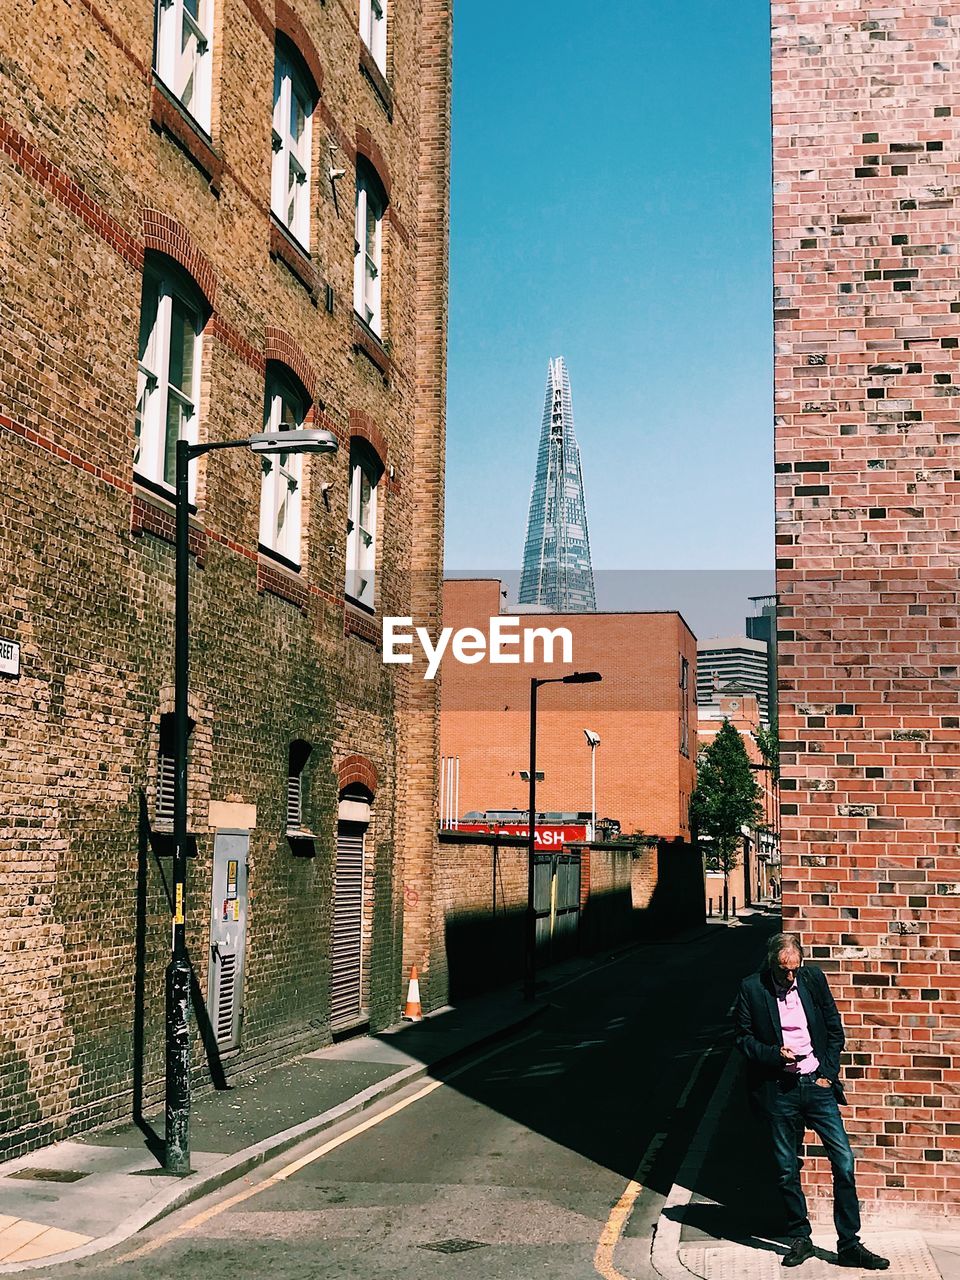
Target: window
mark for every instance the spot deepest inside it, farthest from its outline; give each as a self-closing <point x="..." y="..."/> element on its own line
<point x="166" y="769"/>
<point x="285" y="409"/>
<point x="365" y="471"/>
<point x="367" y="249"/>
<point x="684" y="706"/>
<point x="183" y="54"/>
<point x="297" y="757"/>
<point x="373" y="30"/>
<point x="168" y="375"/>
<point x="293" y="105"/>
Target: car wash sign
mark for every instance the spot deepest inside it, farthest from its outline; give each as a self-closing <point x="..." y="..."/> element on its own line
<point x="546" y="837"/>
<point x="9" y="657"/>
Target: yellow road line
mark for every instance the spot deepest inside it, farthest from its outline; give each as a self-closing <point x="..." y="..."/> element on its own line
<point x="613" y="1230"/>
<point x="296" y="1165"/>
<point x="615" y="1225"/>
<point x="282" y="1174"/>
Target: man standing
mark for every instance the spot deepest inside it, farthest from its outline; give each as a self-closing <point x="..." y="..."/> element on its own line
<point x="789" y="1030"/>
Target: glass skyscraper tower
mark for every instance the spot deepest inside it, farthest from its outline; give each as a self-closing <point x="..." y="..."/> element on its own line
<point x="557" y="572"/>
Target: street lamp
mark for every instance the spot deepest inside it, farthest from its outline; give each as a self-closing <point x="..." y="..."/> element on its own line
<point x="530" y="966"/>
<point x="176" y="1158"/>
<point x="593" y="741"/>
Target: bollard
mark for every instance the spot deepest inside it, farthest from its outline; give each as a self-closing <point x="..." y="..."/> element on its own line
<point x="734" y="907"/>
<point x="709" y="906"/>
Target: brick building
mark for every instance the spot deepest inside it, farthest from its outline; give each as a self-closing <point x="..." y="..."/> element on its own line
<point x="217" y="220"/>
<point x="643" y="711"/>
<point x="866" y="138"/>
<point x="750" y="880"/>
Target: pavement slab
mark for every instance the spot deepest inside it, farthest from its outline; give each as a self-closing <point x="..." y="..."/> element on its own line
<point x="909" y="1254"/>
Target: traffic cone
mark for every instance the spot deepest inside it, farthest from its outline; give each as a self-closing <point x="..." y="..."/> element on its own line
<point x="412" y="1011"/>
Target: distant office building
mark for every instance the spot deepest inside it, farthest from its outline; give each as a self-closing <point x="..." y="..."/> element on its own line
<point x="737" y="661"/>
<point x="763" y="626"/>
<point x="557" y="572"/>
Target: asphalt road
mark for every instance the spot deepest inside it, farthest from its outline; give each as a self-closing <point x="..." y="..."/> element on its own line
<point x="545" y="1156"/>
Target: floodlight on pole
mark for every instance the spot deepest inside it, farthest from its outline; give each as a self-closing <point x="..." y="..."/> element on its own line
<point x="593" y="741"/>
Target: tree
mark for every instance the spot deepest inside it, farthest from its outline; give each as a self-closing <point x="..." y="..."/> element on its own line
<point x="726" y="800"/>
<point x="769" y="745"/>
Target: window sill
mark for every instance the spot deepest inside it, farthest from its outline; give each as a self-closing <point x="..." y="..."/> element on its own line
<point x="275" y="579"/>
<point x="303" y="844"/>
<point x="284" y="248"/>
<point x="360" y="621"/>
<point x="169" y="116"/>
<point x="379" y="82"/>
<point x="154" y="512"/>
<point x="365" y="340"/>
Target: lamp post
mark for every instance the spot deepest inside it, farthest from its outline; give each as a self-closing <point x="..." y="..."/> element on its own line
<point x="530" y="966"/>
<point x="176" y="1158"/>
<point x="593" y="741"/>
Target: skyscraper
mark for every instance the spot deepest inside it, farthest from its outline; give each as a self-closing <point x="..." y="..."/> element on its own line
<point x="557" y="572"/>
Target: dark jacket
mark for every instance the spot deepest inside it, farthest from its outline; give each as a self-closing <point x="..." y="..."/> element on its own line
<point x="759" y="1034"/>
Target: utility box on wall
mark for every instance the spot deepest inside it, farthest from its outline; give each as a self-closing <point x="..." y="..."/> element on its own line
<point x="228" y="936"/>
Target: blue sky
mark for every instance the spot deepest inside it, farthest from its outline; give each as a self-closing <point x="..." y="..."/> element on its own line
<point x="611" y="204"/>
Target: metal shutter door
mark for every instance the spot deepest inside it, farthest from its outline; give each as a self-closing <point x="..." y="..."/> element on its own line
<point x="345" y="978"/>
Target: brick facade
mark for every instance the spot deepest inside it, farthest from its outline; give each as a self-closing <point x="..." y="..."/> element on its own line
<point x="866" y="135"/>
<point x="749" y="881"/>
<point x="99" y="170"/>
<point x="644" y="780"/>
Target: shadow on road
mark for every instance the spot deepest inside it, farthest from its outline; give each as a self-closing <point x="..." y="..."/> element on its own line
<point x="610" y="1068"/>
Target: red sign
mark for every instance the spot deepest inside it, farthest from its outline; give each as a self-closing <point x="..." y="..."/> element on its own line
<point x="544" y="837"/>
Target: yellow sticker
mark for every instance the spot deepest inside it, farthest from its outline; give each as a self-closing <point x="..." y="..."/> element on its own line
<point x="178" y="914"/>
<point x="236" y="908"/>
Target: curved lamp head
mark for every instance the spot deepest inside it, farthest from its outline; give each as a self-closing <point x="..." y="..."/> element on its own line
<point x="581" y="677"/>
<point x="304" y="441"/>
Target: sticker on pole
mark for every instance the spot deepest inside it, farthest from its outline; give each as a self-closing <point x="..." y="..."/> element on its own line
<point x="178" y="913"/>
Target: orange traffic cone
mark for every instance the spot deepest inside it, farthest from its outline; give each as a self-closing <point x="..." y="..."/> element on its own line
<point x="412" y="1011"/>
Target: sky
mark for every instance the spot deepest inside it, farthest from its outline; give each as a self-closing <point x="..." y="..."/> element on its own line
<point x="610" y="203"/>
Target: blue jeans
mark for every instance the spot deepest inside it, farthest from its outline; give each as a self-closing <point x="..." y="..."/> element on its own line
<point x="801" y="1104"/>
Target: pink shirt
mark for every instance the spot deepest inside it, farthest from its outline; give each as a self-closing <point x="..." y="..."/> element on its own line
<point x="796" y="1033"/>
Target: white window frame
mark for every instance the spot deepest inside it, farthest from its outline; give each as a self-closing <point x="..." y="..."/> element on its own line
<point x="281" y="486"/>
<point x="174" y="65"/>
<point x="154" y="458"/>
<point x="290" y="183"/>
<point x="361" y="576"/>
<point x="373" y="30"/>
<point x="368" y="254"/>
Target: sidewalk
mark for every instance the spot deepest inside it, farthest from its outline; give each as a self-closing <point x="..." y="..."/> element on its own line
<point x="722" y="1217"/>
<point x="81" y="1196"/>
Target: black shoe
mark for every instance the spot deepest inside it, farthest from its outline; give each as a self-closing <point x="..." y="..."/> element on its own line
<point x="800" y="1250"/>
<point x="856" y="1255"/>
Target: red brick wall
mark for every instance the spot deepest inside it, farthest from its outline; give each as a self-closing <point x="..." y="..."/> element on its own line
<point x="866" y="110"/>
<point x="641" y="774"/>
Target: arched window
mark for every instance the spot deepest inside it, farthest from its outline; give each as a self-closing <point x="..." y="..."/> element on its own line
<point x="368" y="252"/>
<point x="294" y="98"/>
<point x="285" y="407"/>
<point x="365" y="472"/>
<point x="172" y="316"/>
<point x="184" y="58"/>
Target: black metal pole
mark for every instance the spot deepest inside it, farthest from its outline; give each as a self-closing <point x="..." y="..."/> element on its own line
<point x="530" y="956"/>
<point x="177" y="1130"/>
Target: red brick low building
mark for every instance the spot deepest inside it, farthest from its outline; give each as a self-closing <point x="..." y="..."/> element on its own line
<point x="750" y="881"/>
<point x="643" y="711"/>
